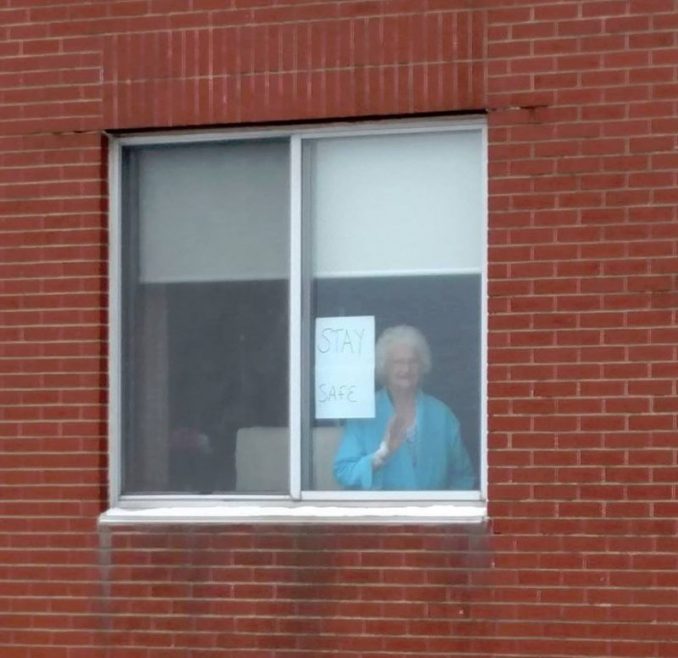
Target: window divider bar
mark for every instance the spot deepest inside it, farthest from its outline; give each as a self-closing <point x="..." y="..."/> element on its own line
<point x="296" y="321"/>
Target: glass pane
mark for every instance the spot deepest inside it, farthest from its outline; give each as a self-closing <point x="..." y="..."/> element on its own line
<point x="397" y="227"/>
<point x="205" y="313"/>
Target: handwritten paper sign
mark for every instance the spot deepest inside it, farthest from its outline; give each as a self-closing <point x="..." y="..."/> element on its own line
<point x="344" y="367"/>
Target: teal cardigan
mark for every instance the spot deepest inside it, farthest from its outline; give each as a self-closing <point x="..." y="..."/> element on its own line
<point x="435" y="459"/>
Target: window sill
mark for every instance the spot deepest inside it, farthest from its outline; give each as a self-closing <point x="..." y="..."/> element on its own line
<point x="466" y="512"/>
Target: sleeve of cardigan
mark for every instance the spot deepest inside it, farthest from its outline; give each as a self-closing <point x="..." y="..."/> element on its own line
<point x="353" y="467"/>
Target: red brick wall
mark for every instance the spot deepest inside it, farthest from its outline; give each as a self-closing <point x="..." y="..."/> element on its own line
<point x="580" y="553"/>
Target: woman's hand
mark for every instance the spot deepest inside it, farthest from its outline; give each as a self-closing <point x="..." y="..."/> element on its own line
<point x="395" y="434"/>
<point x="396" y="430"/>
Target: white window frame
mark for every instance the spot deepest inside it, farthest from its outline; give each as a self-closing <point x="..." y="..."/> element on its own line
<point x="298" y="505"/>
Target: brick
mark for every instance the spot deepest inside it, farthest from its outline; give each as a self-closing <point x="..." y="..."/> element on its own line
<point x="533" y="30"/>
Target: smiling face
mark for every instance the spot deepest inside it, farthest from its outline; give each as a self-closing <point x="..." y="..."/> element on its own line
<point x="403" y="369"/>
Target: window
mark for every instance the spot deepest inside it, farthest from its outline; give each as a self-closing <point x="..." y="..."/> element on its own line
<point x="298" y="316"/>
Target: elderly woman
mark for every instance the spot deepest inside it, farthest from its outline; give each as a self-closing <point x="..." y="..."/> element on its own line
<point x="413" y="441"/>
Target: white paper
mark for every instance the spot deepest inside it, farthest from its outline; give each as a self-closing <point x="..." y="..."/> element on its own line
<point x="344" y="367"/>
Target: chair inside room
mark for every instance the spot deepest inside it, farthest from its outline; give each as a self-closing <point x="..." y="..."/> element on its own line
<point x="262" y="459"/>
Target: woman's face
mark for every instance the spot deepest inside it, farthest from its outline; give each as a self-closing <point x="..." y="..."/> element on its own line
<point x="403" y="369"/>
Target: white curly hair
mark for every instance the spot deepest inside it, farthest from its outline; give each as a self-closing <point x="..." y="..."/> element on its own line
<point x="399" y="335"/>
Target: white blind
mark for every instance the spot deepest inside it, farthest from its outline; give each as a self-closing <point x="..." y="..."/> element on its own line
<point x="214" y="212"/>
<point x="403" y="204"/>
